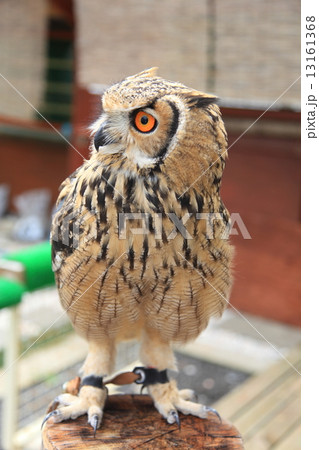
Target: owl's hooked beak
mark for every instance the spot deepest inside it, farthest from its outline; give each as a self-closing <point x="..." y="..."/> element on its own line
<point x="103" y="137"/>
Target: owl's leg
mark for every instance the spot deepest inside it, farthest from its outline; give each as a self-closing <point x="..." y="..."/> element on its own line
<point x="92" y="395"/>
<point x="168" y="400"/>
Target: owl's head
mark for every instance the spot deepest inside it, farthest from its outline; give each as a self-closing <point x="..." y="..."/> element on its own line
<point x="152" y="123"/>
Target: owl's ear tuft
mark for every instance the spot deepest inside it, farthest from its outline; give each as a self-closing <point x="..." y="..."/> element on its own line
<point x="200" y="100"/>
<point x="152" y="72"/>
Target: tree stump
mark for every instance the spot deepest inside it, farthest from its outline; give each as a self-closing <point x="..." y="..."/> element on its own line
<point x="131" y="421"/>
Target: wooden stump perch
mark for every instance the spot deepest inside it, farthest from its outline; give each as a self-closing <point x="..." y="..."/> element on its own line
<point x="131" y="421"/>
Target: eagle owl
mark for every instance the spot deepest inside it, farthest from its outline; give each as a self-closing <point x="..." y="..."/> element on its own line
<point x="139" y="237"/>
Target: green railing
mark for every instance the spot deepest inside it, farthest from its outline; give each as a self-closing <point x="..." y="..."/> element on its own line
<point x="20" y="272"/>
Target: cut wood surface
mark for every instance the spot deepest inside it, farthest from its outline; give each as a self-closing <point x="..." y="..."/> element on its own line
<point x="131" y="421"/>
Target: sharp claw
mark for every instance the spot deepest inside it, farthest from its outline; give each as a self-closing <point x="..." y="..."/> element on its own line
<point x="47" y="417"/>
<point x="95" y="422"/>
<point x="208" y="408"/>
<point x="175" y="415"/>
<point x="177" y="421"/>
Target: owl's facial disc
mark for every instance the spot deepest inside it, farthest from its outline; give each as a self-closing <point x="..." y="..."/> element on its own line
<point x="145" y="135"/>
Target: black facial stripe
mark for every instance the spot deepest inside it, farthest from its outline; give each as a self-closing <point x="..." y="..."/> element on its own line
<point x="172" y="131"/>
<point x="152" y="104"/>
<point x="200" y="101"/>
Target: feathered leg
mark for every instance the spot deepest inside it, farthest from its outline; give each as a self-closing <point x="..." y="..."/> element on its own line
<point x="167" y="398"/>
<point x="92" y="395"/>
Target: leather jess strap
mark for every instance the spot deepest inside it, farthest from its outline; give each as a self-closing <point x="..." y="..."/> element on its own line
<point x="123" y="378"/>
<point x="140" y="375"/>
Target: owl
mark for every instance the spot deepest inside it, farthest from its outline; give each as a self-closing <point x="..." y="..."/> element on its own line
<point x="139" y="238"/>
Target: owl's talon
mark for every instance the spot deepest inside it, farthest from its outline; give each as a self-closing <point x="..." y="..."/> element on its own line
<point x="47" y="417"/>
<point x="169" y="401"/>
<point x="90" y="401"/>
<point x="210" y="409"/>
<point x="94" y="422"/>
<point x="173" y="417"/>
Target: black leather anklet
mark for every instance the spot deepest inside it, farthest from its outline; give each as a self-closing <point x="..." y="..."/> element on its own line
<point x="150" y="376"/>
<point x="94" y="381"/>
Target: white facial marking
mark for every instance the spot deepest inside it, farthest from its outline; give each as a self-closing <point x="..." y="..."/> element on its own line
<point x="134" y="154"/>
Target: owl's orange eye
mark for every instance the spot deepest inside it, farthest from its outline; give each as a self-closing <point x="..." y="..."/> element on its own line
<point x="144" y="122"/>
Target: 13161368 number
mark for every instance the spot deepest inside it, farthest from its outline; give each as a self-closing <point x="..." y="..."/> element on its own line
<point x="310" y="46"/>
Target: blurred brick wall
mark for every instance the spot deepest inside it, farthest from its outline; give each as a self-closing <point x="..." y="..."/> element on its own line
<point x="247" y="50"/>
<point x="117" y="39"/>
<point x="257" y="50"/>
<point x="27" y="163"/>
<point x="23" y="25"/>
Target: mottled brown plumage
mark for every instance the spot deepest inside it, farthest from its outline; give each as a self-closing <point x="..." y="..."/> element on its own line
<point x="163" y="284"/>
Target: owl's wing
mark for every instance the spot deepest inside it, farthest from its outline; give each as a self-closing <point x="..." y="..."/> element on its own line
<point x="59" y="236"/>
<point x="70" y="220"/>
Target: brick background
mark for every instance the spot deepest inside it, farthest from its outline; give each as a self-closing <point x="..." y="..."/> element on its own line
<point x="257" y="50"/>
<point x="23" y="25"/>
<point x="117" y="39"/>
<point x="247" y="51"/>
